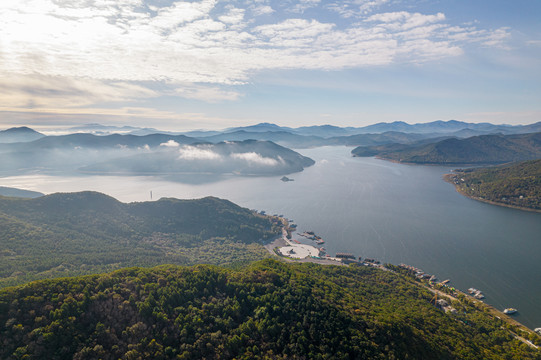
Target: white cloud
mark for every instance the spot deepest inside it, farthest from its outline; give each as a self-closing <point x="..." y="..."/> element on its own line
<point x="262" y="10"/>
<point x="35" y="90"/>
<point x="188" y="152"/>
<point x="304" y="5"/>
<point x="405" y="20"/>
<point x="234" y="16"/>
<point x="255" y="159"/>
<point x="110" y="51"/>
<point x="170" y="143"/>
<point x="355" y="8"/>
<point x="206" y="93"/>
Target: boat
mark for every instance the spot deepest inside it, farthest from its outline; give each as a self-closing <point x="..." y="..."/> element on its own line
<point x="479" y="295"/>
<point x="444" y="282"/>
<point x="510" y="311"/>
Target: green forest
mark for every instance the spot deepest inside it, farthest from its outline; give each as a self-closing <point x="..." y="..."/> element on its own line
<point x="266" y="310"/>
<point x="70" y="234"/>
<point x="481" y="150"/>
<point x="517" y="184"/>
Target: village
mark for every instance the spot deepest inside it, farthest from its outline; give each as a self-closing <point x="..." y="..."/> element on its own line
<point x="288" y="247"/>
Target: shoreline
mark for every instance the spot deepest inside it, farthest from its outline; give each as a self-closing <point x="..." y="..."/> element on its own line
<point x="447" y="178"/>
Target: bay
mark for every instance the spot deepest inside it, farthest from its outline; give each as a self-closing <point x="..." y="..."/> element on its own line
<point x="373" y="208"/>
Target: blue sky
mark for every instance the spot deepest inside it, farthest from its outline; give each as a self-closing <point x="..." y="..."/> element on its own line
<point x="181" y="65"/>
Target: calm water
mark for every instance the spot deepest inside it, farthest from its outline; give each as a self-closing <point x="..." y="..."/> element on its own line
<point x="372" y="208"/>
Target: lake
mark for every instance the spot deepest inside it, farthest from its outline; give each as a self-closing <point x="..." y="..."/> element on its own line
<point x="372" y="208"/>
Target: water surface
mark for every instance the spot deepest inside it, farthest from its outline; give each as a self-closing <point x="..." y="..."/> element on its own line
<point x="373" y="208"/>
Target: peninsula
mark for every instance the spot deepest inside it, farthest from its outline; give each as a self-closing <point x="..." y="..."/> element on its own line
<point x="516" y="185"/>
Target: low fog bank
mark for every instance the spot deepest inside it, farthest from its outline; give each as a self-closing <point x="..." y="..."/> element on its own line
<point x="144" y="155"/>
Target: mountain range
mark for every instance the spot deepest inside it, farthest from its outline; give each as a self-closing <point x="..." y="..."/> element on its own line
<point x="439" y="142"/>
<point x="248" y="157"/>
<point x="308" y="136"/>
<point x="485" y="149"/>
<point x="155" y="153"/>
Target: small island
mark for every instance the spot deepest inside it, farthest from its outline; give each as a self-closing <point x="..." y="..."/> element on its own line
<point x="286" y="179"/>
<point x="515" y="185"/>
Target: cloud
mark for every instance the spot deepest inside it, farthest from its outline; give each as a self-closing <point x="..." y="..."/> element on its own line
<point x="304" y="5"/>
<point x="188" y="152"/>
<point x="59" y="53"/>
<point x="234" y="16"/>
<point x="170" y="143"/>
<point x="42" y="91"/>
<point x="405" y="20"/>
<point x="255" y="159"/>
<point x="210" y="94"/>
<point x="186" y="42"/>
<point x="355" y="8"/>
<point x="262" y="10"/>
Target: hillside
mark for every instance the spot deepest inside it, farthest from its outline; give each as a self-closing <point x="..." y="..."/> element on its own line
<point x="19" y="134"/>
<point x="516" y="185"/>
<point x="9" y="191"/>
<point x="158" y="154"/>
<point x="268" y="310"/>
<point x="87" y="232"/>
<point x="486" y="149"/>
<point x="248" y="157"/>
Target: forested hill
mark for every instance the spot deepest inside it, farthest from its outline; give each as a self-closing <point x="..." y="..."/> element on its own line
<point x="517" y="184"/>
<point x="268" y="310"/>
<point x="80" y="233"/>
<point x="486" y="149"/>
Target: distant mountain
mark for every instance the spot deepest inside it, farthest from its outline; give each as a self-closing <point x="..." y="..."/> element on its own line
<point x="485" y="149"/>
<point x="284" y="138"/>
<point x="516" y="185"/>
<point x="323" y="135"/>
<point x="388" y="137"/>
<point x="324" y="131"/>
<point x="156" y="154"/>
<point x="82" y="233"/>
<point x="99" y="129"/>
<point x="13" y="192"/>
<point x="297" y="141"/>
<point x="85" y="140"/>
<point x="262" y="127"/>
<point x="19" y="134"/>
<point x="249" y="157"/>
<point x="201" y="133"/>
<point x="440" y="127"/>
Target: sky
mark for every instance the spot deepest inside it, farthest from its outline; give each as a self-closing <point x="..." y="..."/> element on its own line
<point x="212" y="64"/>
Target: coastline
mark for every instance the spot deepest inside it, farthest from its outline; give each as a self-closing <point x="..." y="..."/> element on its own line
<point x="447" y="178"/>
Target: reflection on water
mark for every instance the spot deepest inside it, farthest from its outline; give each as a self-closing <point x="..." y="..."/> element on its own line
<point x="372" y="208"/>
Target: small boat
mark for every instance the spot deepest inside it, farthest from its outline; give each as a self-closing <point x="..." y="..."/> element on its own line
<point x="510" y="311"/>
<point x="479" y="295"/>
<point x="446" y="281"/>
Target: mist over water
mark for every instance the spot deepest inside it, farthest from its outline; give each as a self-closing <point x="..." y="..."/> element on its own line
<point x="372" y="208"/>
